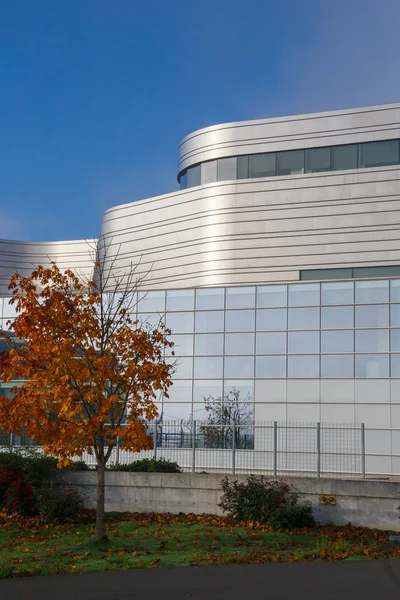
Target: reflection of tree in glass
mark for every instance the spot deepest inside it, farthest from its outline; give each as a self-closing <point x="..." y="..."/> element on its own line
<point x="226" y="415"/>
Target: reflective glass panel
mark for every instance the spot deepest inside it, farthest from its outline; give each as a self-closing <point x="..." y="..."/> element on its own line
<point x="183" y="181"/>
<point x="344" y="157"/>
<point x="395" y="365"/>
<point x="239" y="343"/>
<point x="337" y="365"/>
<point x="180" y="300"/>
<point x="226" y="169"/>
<point x="194" y="176"/>
<point x="181" y="411"/>
<point x="273" y="319"/>
<point x="321" y="274"/>
<point x="303" y="366"/>
<point x="318" y="160"/>
<point x="183" y="367"/>
<point x="271" y="366"/>
<point x="209" y="343"/>
<point x="303" y="318"/>
<point x="290" y="162"/>
<point x="337" y="292"/>
<point x="151" y="320"/>
<point x="337" y="317"/>
<point x="303" y="342"/>
<point x="271" y="342"/>
<point x="372" y="340"/>
<point x="240" y="297"/>
<point x="151" y="301"/>
<point x="210" y="298"/>
<point x="369" y="292"/>
<point x="239" y="366"/>
<point x="269" y="296"/>
<point x="262" y="165"/>
<point x="239" y="320"/>
<point x="180" y="391"/>
<point x="209" y="321"/>
<point x="395" y="340"/>
<point x="183" y="345"/>
<point x="364" y="272"/>
<point x="180" y="322"/>
<point x="337" y="341"/>
<point x="209" y="172"/>
<point x="395" y="315"/>
<point x="375" y="154"/>
<point x="239" y="391"/>
<point x="372" y="316"/>
<point x="372" y="365"/>
<point x="207" y="390"/>
<point x="208" y="367"/>
<point x="243" y="167"/>
<point x="395" y="290"/>
<point x="307" y="294"/>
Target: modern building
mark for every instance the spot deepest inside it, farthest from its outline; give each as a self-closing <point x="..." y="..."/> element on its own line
<point x="277" y="266"/>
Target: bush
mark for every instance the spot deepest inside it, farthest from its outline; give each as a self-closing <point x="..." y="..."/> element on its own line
<point x="78" y="465"/>
<point x="274" y="503"/>
<point x="149" y="465"/>
<point x="57" y="505"/>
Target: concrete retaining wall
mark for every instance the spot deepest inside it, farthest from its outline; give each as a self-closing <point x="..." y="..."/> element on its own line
<point x="363" y="503"/>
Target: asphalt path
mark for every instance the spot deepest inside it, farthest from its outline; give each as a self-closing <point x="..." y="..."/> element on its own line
<point x="369" y="580"/>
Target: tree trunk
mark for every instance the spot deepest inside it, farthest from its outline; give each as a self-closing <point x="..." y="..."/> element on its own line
<point x="100" y="512"/>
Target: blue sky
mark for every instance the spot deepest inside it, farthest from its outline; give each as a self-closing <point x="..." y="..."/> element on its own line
<point x="96" y="94"/>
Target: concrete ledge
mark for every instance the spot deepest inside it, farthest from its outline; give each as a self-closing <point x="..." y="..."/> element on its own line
<point x="365" y="503"/>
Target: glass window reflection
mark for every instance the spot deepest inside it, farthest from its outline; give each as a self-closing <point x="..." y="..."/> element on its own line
<point x="180" y="322"/>
<point x="290" y="162"/>
<point x="239" y="390"/>
<point x="210" y="298"/>
<point x="270" y="296"/>
<point x="180" y="299"/>
<point x="395" y="290"/>
<point x="369" y="292"/>
<point x="307" y="294"/>
<point x="303" y="318"/>
<point x="395" y="365"/>
<point x="239" y="343"/>
<point x="344" y="157"/>
<point x="209" y="172"/>
<point x="376" y="154"/>
<point x="262" y="165"/>
<point x="209" y="367"/>
<point x="372" y="365"/>
<point x="180" y="391"/>
<point x="209" y="344"/>
<point x="271" y="367"/>
<point x="239" y="366"/>
<point x="183" y="367"/>
<point x="303" y="366"/>
<point x="372" y="316"/>
<point x="194" y="176"/>
<point x="395" y="340"/>
<point x="274" y="319"/>
<point x="395" y="315"/>
<point x="183" y="345"/>
<point x="151" y="301"/>
<point x="318" y="160"/>
<point x="240" y="297"/>
<point x="337" y="365"/>
<point x="303" y="342"/>
<point x="337" y="317"/>
<point x="372" y="340"/>
<point x="239" y="320"/>
<point x="337" y="341"/>
<point x="337" y="292"/>
<point x="226" y="169"/>
<point x="207" y="390"/>
<point x="271" y="342"/>
<point x="209" y="321"/>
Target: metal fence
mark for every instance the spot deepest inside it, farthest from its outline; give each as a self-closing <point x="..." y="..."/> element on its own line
<point x="318" y="450"/>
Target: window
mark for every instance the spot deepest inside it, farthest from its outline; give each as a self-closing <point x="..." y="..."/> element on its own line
<point x="209" y="321"/>
<point x="303" y="318"/>
<point x="183" y="181"/>
<point x="239" y="320"/>
<point x="207" y="390"/>
<point x="269" y="296"/>
<point x="272" y="319"/>
<point x="290" y="163"/>
<point x="151" y="302"/>
<point x="271" y="367"/>
<point x="240" y="297"/>
<point x="303" y="366"/>
<point x="183" y="367"/>
<point x="303" y="342"/>
<point x="395" y="365"/>
<point x="180" y="300"/>
<point x="210" y="298"/>
<point x="239" y="343"/>
<point x="372" y="340"/>
<point x="376" y="154"/>
<point x="337" y="341"/>
<point x="395" y="290"/>
<point x="344" y="157"/>
<point x="180" y="391"/>
<point x="318" y="160"/>
<point x="320" y="274"/>
<point x="337" y="317"/>
<point x="209" y="344"/>
<point x="395" y="315"/>
<point x="262" y="165"/>
<point x="239" y="366"/>
<point x="194" y="176"/>
<point x="341" y="292"/>
<point x="337" y="365"/>
<point x="209" y="172"/>
<point x="395" y="340"/>
<point x="272" y="342"/>
<point x="209" y="367"/>
<point x="183" y="345"/>
<point x="307" y="294"/>
<point x="372" y="316"/>
<point x="226" y="169"/>
<point x="180" y="322"/>
<point x="243" y="167"/>
<point x="372" y="365"/>
<point x="369" y="292"/>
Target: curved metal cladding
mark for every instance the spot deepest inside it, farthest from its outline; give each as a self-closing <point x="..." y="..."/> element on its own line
<point x="290" y="133"/>
<point x="22" y="257"/>
<point x="260" y="230"/>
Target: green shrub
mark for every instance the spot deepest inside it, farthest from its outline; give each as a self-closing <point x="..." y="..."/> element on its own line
<point x="274" y="503"/>
<point x="148" y="465"/>
<point x="57" y="505"/>
<point x="78" y="465"/>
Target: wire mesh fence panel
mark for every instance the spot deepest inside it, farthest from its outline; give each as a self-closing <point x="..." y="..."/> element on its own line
<point x="269" y="448"/>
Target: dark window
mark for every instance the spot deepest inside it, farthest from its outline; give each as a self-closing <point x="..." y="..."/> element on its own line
<point x="318" y="160"/>
<point x="209" y="172"/>
<point x="290" y="163"/>
<point x="243" y="167"/>
<point x="226" y="169"/>
<point x="344" y="157"/>
<point x="262" y="165"/>
<point x="183" y="181"/>
<point x="193" y="176"/>
<point x="376" y="154"/>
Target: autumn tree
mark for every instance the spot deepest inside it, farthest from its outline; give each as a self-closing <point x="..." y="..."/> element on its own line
<point x="90" y="372"/>
<point x="229" y="421"/>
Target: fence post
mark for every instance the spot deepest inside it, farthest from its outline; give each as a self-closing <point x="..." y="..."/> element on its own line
<point x="117" y="452"/>
<point x="234" y="450"/>
<point x="318" y="450"/>
<point x="12" y="440"/>
<point x="275" y="448"/>
<point x="194" y="447"/>
<point x="155" y="442"/>
<point x="363" y="450"/>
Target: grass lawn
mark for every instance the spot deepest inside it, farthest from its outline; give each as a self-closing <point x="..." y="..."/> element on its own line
<point x="152" y="540"/>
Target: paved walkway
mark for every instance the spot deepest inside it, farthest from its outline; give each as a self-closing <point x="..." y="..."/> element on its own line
<point x="369" y="580"/>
